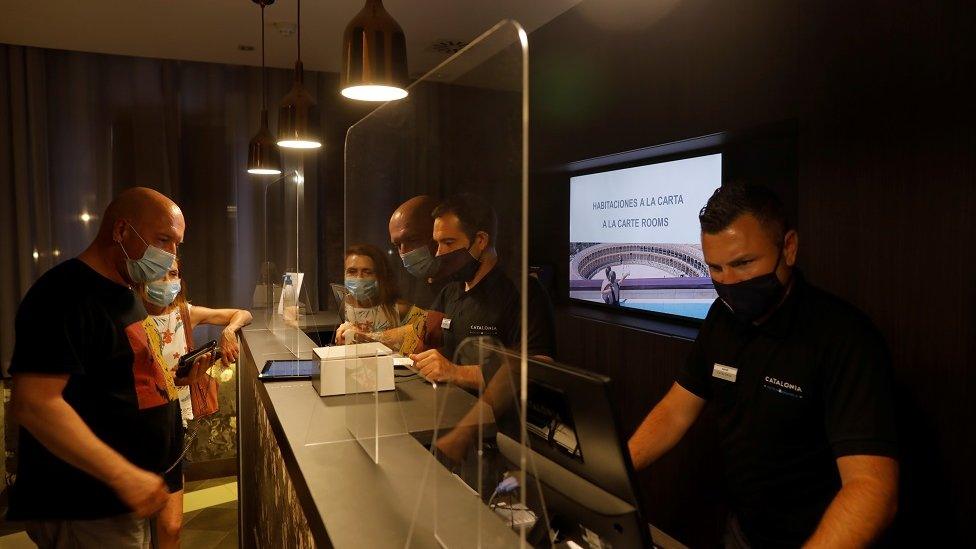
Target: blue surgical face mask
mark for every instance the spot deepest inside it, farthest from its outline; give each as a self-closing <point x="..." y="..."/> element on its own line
<point x="153" y="265"/>
<point x="162" y="293"/>
<point x="363" y="289"/>
<point x="419" y="263"/>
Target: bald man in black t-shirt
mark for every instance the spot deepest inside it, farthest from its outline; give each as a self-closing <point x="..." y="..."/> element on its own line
<point x="98" y="412"/>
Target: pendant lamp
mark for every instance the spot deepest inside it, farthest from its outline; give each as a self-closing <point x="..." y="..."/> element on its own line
<point x="374" y="56"/>
<point x="298" y="115"/>
<point x="263" y="157"/>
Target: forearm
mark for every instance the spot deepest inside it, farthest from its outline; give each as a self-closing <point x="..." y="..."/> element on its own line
<point x="392" y="338"/>
<point x="238" y="320"/>
<point x="655" y="436"/>
<point x="58" y="427"/>
<point x="859" y="513"/>
<point x="469" y="377"/>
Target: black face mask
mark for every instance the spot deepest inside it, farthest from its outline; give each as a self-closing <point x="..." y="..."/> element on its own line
<point x="750" y="299"/>
<point x="456" y="266"/>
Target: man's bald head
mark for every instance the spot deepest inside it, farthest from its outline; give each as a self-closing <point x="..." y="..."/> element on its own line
<point x="411" y="225"/>
<point x="136" y="218"/>
<point x="135" y="204"/>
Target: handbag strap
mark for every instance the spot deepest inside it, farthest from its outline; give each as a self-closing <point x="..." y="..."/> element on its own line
<point x="187" y="327"/>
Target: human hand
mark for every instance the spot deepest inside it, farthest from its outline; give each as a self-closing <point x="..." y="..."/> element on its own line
<point x="290" y="317"/>
<point x="143" y="492"/>
<point x="200" y="368"/>
<point x="434" y="366"/>
<point x="346" y="333"/>
<point x="229" y="348"/>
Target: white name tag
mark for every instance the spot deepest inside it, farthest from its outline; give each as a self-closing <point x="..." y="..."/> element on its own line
<point x="722" y="371"/>
<point x="446" y="324"/>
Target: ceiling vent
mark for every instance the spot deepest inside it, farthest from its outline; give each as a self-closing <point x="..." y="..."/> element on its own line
<point x="285" y="28"/>
<point x="447" y="47"/>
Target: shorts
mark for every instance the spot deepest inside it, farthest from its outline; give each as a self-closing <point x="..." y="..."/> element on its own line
<point x="174" y="478"/>
<point x="122" y="531"/>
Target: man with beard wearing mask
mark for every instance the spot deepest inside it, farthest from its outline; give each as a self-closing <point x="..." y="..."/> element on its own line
<point x="99" y="414"/>
<point x="411" y="227"/>
<point x="479" y="299"/>
<point x="800" y="384"/>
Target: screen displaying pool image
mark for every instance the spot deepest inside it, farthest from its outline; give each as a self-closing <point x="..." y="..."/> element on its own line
<point x="634" y="236"/>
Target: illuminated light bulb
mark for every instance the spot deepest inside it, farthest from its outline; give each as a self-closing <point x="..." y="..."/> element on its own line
<point x="263" y="171"/>
<point x="297" y="144"/>
<point x="374" y="93"/>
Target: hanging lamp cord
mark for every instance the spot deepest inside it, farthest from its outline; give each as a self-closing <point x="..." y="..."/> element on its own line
<point x="299" y="30"/>
<point x="264" y="67"/>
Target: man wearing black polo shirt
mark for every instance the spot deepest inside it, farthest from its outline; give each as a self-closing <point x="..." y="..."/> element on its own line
<point x="480" y="301"/>
<point x="800" y="384"/>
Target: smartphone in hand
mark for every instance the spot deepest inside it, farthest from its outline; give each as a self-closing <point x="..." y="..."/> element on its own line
<point x="186" y="361"/>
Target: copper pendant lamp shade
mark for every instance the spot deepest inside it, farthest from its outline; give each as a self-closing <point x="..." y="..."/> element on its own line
<point x="374" y="56"/>
<point x="298" y="115"/>
<point x="263" y="157"/>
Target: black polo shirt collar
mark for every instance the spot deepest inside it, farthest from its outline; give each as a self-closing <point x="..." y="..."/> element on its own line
<point x="484" y="286"/>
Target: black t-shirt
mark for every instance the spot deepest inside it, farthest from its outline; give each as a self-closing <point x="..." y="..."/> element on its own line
<point x="76" y="322"/>
<point x="811" y="384"/>
<point x="492" y="309"/>
<point x="416" y="291"/>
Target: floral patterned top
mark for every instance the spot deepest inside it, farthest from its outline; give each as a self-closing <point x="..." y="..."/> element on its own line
<point x="172" y="345"/>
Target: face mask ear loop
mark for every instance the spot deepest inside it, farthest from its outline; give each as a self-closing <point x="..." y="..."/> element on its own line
<point x="122" y="246"/>
<point x="482" y="254"/>
<point x="779" y="255"/>
<point x="125" y="253"/>
<point x="137" y="233"/>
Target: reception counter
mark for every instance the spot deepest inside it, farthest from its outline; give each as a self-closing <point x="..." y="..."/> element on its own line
<point x="305" y="481"/>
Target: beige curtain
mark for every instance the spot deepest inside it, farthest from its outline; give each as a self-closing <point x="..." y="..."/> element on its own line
<point x="25" y="226"/>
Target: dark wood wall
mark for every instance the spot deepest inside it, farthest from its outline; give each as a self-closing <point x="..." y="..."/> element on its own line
<point x="885" y="196"/>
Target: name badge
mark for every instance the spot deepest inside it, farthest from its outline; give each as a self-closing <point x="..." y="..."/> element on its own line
<point x="446" y="324"/>
<point x="722" y="371"/>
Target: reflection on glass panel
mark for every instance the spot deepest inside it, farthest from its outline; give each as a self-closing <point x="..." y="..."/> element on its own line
<point x="435" y="226"/>
<point x="284" y="293"/>
<point x="571" y="475"/>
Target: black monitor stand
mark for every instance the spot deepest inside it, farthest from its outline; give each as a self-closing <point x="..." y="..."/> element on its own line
<point x="579" y="461"/>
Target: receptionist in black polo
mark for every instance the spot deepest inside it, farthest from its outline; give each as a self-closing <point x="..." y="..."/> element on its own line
<point x="479" y="300"/>
<point x="800" y="384"/>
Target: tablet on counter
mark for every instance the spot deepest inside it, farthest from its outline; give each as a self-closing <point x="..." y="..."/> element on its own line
<point x="288" y="369"/>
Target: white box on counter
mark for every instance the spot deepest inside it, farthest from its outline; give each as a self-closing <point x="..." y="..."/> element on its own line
<point x="359" y="368"/>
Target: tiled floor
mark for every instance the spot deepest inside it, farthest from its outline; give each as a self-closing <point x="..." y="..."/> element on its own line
<point x="209" y="518"/>
<point x="210" y="514"/>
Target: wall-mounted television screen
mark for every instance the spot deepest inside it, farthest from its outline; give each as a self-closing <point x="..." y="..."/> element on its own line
<point x="634" y="237"/>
